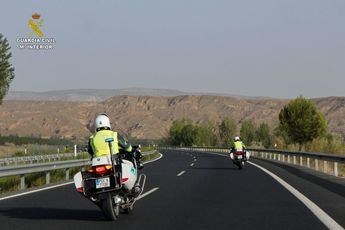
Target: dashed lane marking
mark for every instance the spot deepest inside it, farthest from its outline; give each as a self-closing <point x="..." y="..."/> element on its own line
<point x="181" y="173"/>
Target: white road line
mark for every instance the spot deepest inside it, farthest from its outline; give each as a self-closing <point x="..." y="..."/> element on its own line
<point x="147" y="193"/>
<point x="181" y="173"/>
<point x="60" y="185"/>
<point x="36" y="190"/>
<point x="160" y="156"/>
<point x="318" y="212"/>
<point x="194" y="159"/>
<point x="192" y="164"/>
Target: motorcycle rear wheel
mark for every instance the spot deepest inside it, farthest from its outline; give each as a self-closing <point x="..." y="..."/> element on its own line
<point x="240" y="165"/>
<point x="110" y="210"/>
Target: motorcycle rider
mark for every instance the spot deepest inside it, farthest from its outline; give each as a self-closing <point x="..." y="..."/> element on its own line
<point x="238" y="146"/>
<point x="97" y="145"/>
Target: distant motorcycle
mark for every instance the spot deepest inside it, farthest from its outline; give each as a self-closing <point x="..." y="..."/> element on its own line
<point x="111" y="183"/>
<point x="239" y="157"/>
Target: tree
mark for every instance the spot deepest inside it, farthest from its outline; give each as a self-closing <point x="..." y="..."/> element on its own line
<point x="184" y="132"/>
<point x="227" y="131"/>
<point x="263" y="135"/>
<point x="301" y="121"/>
<point x="247" y="132"/>
<point x="189" y="135"/>
<point x="175" y="132"/>
<point x="205" y="135"/>
<point x="6" y="69"/>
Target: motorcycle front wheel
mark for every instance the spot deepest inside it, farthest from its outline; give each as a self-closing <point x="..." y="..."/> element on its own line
<point x="110" y="210"/>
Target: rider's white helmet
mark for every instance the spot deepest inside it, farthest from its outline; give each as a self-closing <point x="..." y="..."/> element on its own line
<point x="237" y="138"/>
<point x="102" y="121"/>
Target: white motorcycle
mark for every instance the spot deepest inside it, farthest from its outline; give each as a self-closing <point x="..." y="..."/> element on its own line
<point x="112" y="183"/>
<point x="239" y="157"/>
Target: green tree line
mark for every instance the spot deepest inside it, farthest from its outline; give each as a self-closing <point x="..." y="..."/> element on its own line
<point x="16" y="140"/>
<point x="186" y="133"/>
<point x="301" y="127"/>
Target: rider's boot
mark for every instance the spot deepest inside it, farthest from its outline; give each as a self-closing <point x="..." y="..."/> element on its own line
<point x="136" y="190"/>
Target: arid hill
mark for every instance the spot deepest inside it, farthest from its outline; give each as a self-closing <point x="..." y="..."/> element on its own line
<point x="148" y="116"/>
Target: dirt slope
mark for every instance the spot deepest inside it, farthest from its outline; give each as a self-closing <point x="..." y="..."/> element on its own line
<point x="147" y="116"/>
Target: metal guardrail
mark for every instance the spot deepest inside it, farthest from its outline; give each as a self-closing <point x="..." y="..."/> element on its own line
<point x="22" y="170"/>
<point x="34" y="168"/>
<point x="35" y="158"/>
<point x="306" y="159"/>
<point x="43" y="167"/>
<point x="43" y="158"/>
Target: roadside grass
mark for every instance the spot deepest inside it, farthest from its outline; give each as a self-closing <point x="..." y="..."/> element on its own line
<point x="151" y="156"/>
<point x="148" y="148"/>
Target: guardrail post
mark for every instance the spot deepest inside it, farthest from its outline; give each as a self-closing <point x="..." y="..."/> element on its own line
<point x="75" y="151"/>
<point x="274" y="156"/>
<point x="308" y="162"/>
<point x="22" y="182"/>
<point x="67" y="174"/>
<point x="316" y="164"/>
<point x="270" y="156"/>
<point x="283" y="158"/>
<point x="47" y="177"/>
<point x="301" y="160"/>
<point x="325" y="166"/>
<point x="335" y="169"/>
<point x="289" y="159"/>
<point x="294" y="160"/>
<point x="278" y="157"/>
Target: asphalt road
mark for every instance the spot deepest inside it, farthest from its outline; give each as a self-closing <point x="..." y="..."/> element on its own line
<point x="210" y="194"/>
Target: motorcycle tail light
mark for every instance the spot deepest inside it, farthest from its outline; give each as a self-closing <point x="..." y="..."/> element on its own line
<point x="239" y="153"/>
<point x="102" y="169"/>
<point x="90" y="170"/>
<point x="123" y="180"/>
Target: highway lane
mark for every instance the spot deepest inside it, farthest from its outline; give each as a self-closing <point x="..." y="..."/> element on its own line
<point x="210" y="194"/>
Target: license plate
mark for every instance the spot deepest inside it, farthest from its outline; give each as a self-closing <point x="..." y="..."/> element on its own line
<point x="239" y="157"/>
<point x="102" y="182"/>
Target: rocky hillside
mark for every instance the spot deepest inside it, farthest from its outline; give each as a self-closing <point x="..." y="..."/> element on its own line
<point x="147" y="116"/>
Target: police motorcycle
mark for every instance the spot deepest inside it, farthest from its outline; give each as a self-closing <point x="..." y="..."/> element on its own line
<point x="238" y="157"/>
<point x="112" y="183"/>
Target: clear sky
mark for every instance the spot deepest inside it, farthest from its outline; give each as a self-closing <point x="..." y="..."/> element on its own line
<point x="276" y="48"/>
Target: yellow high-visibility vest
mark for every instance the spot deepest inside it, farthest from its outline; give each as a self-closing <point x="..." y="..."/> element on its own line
<point x="238" y="145"/>
<point x="98" y="144"/>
